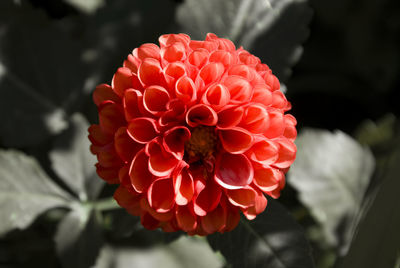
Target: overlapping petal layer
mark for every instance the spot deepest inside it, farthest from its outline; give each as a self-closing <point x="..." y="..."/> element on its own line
<point x="194" y="132"/>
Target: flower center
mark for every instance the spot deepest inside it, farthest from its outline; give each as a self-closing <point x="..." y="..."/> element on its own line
<point x="201" y="143"/>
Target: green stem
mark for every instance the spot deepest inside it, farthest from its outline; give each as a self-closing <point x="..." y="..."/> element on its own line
<point x="105" y="204"/>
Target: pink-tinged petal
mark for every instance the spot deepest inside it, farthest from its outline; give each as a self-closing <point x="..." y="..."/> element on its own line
<point x="173" y="72"/>
<point x="155" y="99"/>
<point x="125" y="146"/>
<point x="160" y="216"/>
<point x="267" y="179"/>
<point x="185" y="90"/>
<point x="223" y="44"/>
<point x="161" y="195"/>
<point x="235" y="140"/>
<point x="147" y="50"/>
<point x="111" y="117"/>
<point x="133" y="104"/>
<point x="242" y="70"/>
<point x="244" y="197"/>
<point x="103" y="93"/>
<point x="141" y="178"/>
<point x="233" y="171"/>
<point x="248" y="59"/>
<point x="272" y="81"/>
<point x="222" y="56"/>
<point x="128" y="200"/>
<point x="150" y="72"/>
<point x="97" y="136"/>
<point x="287" y="154"/>
<point x="230" y="116"/>
<point x="142" y="129"/>
<point x="198" y="57"/>
<point x="262" y="94"/>
<point x="290" y="127"/>
<point x="217" y="96"/>
<point x="122" y="80"/>
<point x="186" y="219"/>
<point x="184" y="187"/>
<point x="174" y="140"/>
<point x="132" y="63"/>
<point x="174" y="52"/>
<point x="259" y="206"/>
<point x="255" y="119"/>
<point x="169" y="39"/>
<point x="201" y="114"/>
<point x="210" y="46"/>
<point x="277" y="192"/>
<point x="207" y="199"/>
<point x="276" y="125"/>
<point x="110" y="175"/>
<point x="264" y="152"/>
<point x="239" y="88"/>
<point x="212" y="72"/>
<point x="279" y="100"/>
<point x="161" y="163"/>
<point x="214" y="221"/>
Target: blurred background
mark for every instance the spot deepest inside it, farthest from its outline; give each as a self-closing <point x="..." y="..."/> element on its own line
<point x="338" y="62"/>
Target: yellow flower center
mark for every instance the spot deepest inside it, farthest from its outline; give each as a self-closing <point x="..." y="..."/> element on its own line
<point x="202" y="142"/>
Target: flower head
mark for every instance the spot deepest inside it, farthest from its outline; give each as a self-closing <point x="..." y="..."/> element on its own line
<point x="194" y="132"/>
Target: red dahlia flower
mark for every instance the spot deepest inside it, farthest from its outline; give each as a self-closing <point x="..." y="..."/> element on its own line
<point x="194" y="132"/>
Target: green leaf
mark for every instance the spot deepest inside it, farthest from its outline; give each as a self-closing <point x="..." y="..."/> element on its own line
<point x="331" y="174"/>
<point x="25" y="191"/>
<point x="41" y="75"/>
<point x="272" y="239"/>
<point x="272" y="29"/>
<point x="377" y="239"/>
<point x="72" y="161"/>
<point x="193" y="252"/>
<point x="78" y="238"/>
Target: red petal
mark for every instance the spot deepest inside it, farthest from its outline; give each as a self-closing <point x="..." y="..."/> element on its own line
<point x="201" y="114"/>
<point x="155" y="99"/>
<point x="264" y="152"/>
<point x="235" y="140"/>
<point x="149" y="72"/>
<point x="184" y="187"/>
<point x="290" y="127"/>
<point x="148" y="221"/>
<point x="242" y="70"/>
<point x="147" y="50"/>
<point x="287" y="154"/>
<point x="211" y="72"/>
<point x="276" y="125"/>
<point x="142" y="129"/>
<point x="108" y="157"/>
<point x="232" y="219"/>
<point x="110" y="175"/>
<point x="210" y="46"/>
<point x="267" y="179"/>
<point x="244" y="197"/>
<point x="230" y="116"/>
<point x="185" y="90"/>
<point x="198" y="57"/>
<point x="161" y="163"/>
<point x="207" y="199"/>
<point x="110" y="117"/>
<point x="239" y="88"/>
<point x="173" y="72"/>
<point x="222" y="56"/>
<point x="217" y="96"/>
<point x="122" y="80"/>
<point x="132" y="63"/>
<point x="97" y="136"/>
<point x="260" y="205"/>
<point x="262" y="94"/>
<point x="127" y="200"/>
<point x="161" y="195"/>
<point x="214" y="221"/>
<point x="223" y="44"/>
<point x="174" y="141"/>
<point x="139" y="173"/>
<point x="185" y="218"/>
<point x="160" y="216"/>
<point x="255" y="119"/>
<point x="174" y="52"/>
<point x="169" y="39"/>
<point x="104" y="92"/>
<point x="233" y="171"/>
<point x="125" y="146"/>
<point x="279" y="100"/>
<point x="133" y="104"/>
